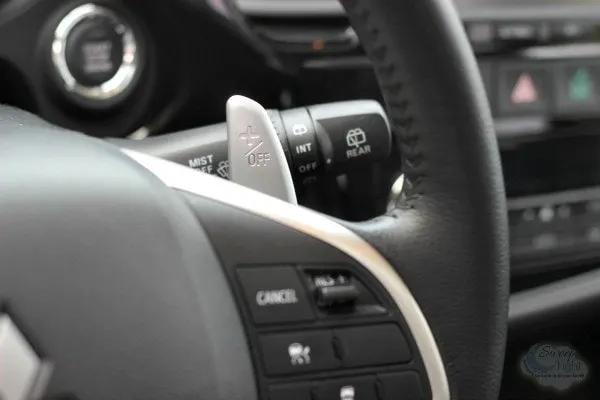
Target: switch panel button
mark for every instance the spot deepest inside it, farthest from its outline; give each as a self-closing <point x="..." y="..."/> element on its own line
<point x="523" y="90"/>
<point x="331" y="296"/>
<point x="577" y="89"/>
<point x="275" y="295"/>
<point x="297" y="352"/>
<point x="400" y="385"/>
<point x="294" y="391"/>
<point x="352" y="388"/>
<point x="372" y="345"/>
<point x="334" y="289"/>
<point x="338" y="292"/>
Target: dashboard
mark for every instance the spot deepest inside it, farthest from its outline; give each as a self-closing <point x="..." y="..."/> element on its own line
<point x="540" y="64"/>
<point x="136" y="69"/>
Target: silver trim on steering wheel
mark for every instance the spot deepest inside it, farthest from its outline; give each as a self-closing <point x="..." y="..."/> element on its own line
<point x="320" y="227"/>
<point x="127" y="71"/>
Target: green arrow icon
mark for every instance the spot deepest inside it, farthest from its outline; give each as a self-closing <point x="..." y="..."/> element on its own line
<point x="581" y="85"/>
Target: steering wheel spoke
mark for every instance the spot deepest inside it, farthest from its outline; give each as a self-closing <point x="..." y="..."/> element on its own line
<point x="142" y="279"/>
<point x="288" y="265"/>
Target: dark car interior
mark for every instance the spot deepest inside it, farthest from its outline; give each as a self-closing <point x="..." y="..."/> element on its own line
<point x="154" y="78"/>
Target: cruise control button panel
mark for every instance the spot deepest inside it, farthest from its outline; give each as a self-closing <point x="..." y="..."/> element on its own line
<point x="327" y="332"/>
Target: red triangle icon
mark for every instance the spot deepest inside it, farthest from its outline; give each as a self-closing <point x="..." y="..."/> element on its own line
<point x="524" y="91"/>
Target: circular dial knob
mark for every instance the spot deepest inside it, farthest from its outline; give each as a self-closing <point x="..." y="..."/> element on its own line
<point x="95" y="55"/>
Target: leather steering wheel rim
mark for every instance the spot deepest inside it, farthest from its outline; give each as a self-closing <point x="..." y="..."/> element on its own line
<point x="115" y="279"/>
<point x="448" y="237"/>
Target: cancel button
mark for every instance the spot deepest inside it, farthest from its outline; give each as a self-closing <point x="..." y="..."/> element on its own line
<point x="275" y="297"/>
<point x="275" y="294"/>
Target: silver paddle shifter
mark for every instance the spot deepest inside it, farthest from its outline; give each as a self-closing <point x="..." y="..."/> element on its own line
<point x="256" y="157"/>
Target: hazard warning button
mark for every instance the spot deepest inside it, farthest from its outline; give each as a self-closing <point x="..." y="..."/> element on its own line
<point x="524" y="90"/>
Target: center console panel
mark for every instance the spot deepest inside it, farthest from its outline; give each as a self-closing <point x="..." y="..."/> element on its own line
<point x="542" y="77"/>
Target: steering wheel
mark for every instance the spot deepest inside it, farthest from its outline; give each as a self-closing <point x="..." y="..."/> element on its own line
<point x="123" y="276"/>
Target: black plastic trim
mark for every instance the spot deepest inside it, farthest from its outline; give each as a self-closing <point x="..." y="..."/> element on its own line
<point x="547" y="303"/>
